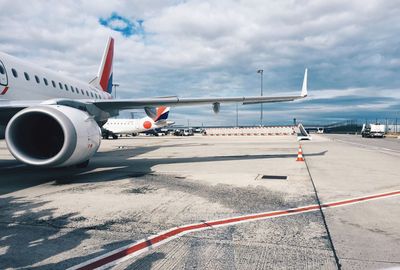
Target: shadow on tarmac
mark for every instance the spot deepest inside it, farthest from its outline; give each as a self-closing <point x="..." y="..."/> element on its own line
<point x="53" y="236"/>
<point x="115" y="165"/>
<point x="146" y="262"/>
<point x="25" y="248"/>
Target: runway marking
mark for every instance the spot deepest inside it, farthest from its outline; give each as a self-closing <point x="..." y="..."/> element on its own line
<point x="124" y="253"/>
<point x="369" y="147"/>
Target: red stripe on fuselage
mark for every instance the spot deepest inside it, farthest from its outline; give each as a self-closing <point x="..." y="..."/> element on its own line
<point x="4" y="90"/>
<point x="105" y="76"/>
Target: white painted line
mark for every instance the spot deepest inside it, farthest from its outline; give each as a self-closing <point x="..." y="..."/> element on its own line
<point x="368" y="147"/>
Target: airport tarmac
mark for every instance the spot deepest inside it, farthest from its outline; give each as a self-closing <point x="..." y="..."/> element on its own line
<point x="135" y="188"/>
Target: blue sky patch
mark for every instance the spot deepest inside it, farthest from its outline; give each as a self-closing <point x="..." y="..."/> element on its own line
<point x="123" y="25"/>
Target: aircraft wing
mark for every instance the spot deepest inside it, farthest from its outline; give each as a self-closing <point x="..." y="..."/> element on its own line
<point x="123" y="104"/>
<point x="9" y="108"/>
<point x="112" y="106"/>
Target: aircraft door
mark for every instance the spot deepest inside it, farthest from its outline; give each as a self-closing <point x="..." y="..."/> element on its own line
<point x="3" y="75"/>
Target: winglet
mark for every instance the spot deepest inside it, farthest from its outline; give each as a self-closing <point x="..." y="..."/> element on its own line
<point x="304" y="88"/>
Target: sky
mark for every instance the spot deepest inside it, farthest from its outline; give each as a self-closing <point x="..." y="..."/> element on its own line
<point x="214" y="48"/>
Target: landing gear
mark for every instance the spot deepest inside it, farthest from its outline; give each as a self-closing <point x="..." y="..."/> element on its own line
<point x="106" y="134"/>
<point x="83" y="164"/>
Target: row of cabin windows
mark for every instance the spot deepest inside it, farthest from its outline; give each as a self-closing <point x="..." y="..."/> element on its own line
<point x="73" y="89"/>
<point x="126" y="123"/>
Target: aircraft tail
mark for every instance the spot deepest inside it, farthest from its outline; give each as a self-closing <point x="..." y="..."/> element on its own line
<point x="104" y="78"/>
<point x="157" y="114"/>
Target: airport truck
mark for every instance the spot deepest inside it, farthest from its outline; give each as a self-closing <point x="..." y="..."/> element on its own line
<point x="373" y="130"/>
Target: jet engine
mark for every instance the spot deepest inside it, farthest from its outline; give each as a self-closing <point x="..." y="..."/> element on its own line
<point x="53" y="136"/>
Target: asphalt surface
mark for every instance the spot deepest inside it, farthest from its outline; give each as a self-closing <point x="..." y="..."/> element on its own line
<point x="366" y="236"/>
<point x="380" y="144"/>
<point x="137" y="187"/>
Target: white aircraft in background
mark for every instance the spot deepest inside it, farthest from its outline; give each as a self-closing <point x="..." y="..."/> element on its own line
<point x="52" y="120"/>
<point x="114" y="127"/>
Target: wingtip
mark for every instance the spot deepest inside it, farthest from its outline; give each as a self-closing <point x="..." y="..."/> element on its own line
<point x="304" y="90"/>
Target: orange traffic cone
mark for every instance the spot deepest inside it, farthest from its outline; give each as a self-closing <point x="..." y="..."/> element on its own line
<point x="300" y="154"/>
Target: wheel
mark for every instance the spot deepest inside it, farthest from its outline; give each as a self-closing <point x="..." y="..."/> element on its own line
<point x="83" y="164"/>
<point x="114" y="137"/>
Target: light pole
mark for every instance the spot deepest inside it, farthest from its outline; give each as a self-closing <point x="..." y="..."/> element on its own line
<point x="115" y="85"/>
<point x="237" y="115"/>
<point x="261" y="71"/>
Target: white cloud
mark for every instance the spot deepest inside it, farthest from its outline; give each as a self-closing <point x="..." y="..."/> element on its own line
<point x="200" y="48"/>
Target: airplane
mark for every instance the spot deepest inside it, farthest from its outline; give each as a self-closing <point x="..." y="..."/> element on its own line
<point x="52" y="120"/>
<point x="115" y="127"/>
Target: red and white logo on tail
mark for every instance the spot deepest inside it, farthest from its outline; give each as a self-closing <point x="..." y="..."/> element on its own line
<point x="157" y="114"/>
<point x="157" y="117"/>
<point x="104" y="79"/>
<point x="162" y="113"/>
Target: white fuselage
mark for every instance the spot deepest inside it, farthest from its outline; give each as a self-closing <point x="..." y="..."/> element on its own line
<point x="28" y="82"/>
<point x="129" y="126"/>
<point x="48" y="119"/>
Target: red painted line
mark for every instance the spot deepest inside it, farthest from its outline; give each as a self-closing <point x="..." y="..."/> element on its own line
<point x="127" y="252"/>
<point x="4" y="90"/>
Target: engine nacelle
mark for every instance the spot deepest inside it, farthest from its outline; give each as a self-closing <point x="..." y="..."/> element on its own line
<point x="52" y="136"/>
<point x="216" y="107"/>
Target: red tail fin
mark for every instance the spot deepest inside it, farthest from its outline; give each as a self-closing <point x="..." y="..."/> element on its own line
<point x="104" y="77"/>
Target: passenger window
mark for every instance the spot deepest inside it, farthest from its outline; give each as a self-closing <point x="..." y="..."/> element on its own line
<point x="59" y="84"/>
<point x="14" y="72"/>
<point x="53" y="83"/>
<point x="83" y="93"/>
<point x="45" y="81"/>
<point x="87" y="93"/>
<point x="72" y="89"/>
<point x="91" y="93"/>
<point x="37" y="79"/>
<point x="66" y="87"/>
<point x="26" y="76"/>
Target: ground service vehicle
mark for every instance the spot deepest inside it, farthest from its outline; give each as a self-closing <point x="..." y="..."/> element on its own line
<point x="373" y="130"/>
